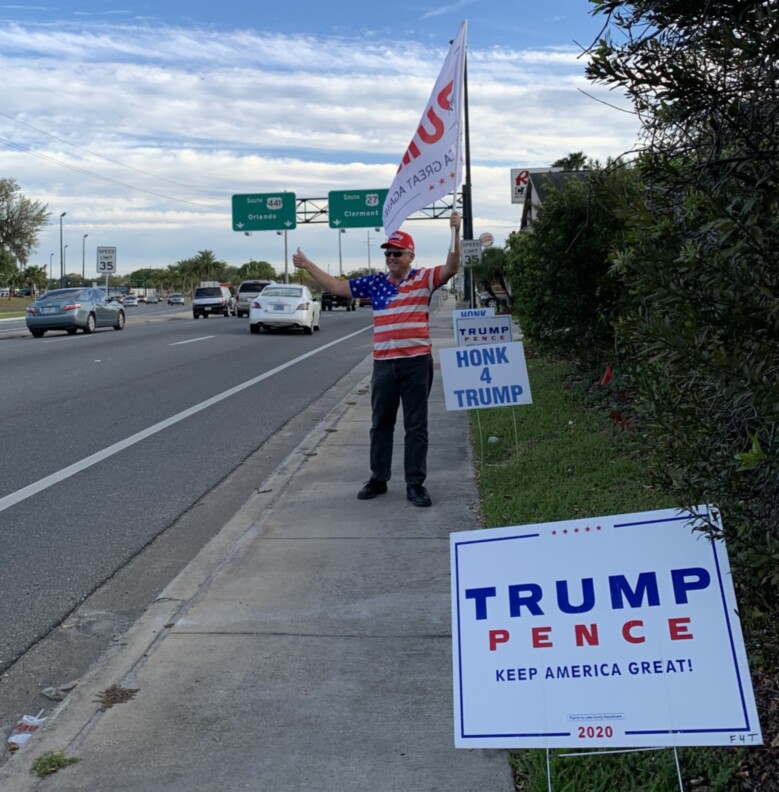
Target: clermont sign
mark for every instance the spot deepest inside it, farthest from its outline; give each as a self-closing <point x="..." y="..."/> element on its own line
<point x="355" y="208"/>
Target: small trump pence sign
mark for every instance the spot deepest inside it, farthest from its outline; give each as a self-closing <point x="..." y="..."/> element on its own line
<point x="608" y="632"/>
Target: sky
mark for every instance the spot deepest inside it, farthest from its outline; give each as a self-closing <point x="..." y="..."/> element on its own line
<point x="141" y="120"/>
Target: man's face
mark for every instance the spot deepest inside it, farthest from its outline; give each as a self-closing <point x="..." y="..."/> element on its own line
<point x="398" y="261"/>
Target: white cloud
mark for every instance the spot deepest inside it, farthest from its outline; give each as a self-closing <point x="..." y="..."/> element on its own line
<point x="207" y="114"/>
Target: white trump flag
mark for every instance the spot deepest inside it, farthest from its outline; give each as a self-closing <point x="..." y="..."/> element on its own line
<point x="432" y="164"/>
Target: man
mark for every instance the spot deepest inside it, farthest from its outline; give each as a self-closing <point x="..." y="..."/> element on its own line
<point x="402" y="354"/>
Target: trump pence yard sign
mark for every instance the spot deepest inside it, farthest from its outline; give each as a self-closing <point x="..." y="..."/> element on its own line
<point x="609" y="632"/>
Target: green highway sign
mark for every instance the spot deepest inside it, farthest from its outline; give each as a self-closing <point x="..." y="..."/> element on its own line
<point x="264" y="212"/>
<point x="355" y="208"/>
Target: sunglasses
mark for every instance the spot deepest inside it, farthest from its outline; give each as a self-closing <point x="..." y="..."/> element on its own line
<point x="393" y="253"/>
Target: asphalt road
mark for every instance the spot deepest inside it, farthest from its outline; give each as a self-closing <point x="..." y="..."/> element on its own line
<point x="109" y="440"/>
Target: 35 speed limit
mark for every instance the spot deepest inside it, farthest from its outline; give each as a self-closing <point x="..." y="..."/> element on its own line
<point x="471" y="251"/>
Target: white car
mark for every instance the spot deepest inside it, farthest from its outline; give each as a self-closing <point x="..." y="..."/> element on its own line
<point x="130" y="300"/>
<point x="284" y="305"/>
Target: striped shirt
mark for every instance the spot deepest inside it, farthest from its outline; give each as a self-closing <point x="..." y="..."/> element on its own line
<point x="400" y="311"/>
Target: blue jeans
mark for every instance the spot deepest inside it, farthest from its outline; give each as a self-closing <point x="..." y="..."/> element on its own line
<point x="405" y="381"/>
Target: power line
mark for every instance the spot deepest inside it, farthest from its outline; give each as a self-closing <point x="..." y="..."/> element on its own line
<point x="86" y="172"/>
<point x="107" y="159"/>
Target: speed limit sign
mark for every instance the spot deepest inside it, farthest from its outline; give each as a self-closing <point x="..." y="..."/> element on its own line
<point x="471" y="249"/>
<point x="106" y="260"/>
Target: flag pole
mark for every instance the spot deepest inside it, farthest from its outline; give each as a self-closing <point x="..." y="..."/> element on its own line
<point x="467" y="205"/>
<point x="464" y="84"/>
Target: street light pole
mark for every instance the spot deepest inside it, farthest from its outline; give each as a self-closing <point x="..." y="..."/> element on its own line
<point x="340" y="257"/>
<point x="62" y="255"/>
<point x="51" y="266"/>
<point x="64" y="259"/>
<point x="83" y="259"/>
<point x="286" y="266"/>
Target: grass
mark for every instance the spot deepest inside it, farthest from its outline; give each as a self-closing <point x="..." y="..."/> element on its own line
<point x="555" y="459"/>
<point x="13" y="307"/>
<point x="559" y="459"/>
<point x="52" y="762"/>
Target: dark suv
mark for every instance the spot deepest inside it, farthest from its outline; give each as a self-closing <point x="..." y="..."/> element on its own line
<point x="247" y="291"/>
<point x="330" y="301"/>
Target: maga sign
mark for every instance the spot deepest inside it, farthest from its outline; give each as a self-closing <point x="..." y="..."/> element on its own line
<point x="609" y="632"/>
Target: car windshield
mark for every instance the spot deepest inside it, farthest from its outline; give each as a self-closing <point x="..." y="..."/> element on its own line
<point x="62" y="294"/>
<point x="252" y="287"/>
<point x="208" y="291"/>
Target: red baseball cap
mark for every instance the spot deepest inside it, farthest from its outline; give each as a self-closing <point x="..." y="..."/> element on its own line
<point x="401" y="240"/>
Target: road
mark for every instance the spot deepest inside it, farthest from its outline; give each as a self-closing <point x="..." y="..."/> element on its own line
<point x="110" y="439"/>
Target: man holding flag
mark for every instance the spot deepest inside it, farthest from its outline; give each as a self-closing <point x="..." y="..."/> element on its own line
<point x="402" y="354"/>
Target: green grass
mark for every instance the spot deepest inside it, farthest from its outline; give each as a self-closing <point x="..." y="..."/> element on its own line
<point x="559" y="459"/>
<point x="555" y="459"/>
<point x="51" y="763"/>
<point x="13" y="307"/>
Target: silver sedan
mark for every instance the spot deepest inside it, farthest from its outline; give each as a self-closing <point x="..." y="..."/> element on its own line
<point x="74" y="309"/>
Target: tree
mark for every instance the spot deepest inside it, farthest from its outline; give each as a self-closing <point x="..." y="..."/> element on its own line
<point x="20" y="221"/>
<point x="575" y="161"/>
<point x="701" y="341"/>
<point x="493" y="269"/>
<point x="565" y="294"/>
<point x="33" y="278"/>
<point x="256" y="270"/>
<point x="7" y="267"/>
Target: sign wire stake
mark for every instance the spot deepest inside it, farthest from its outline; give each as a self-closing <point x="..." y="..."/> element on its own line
<point x="550" y="756"/>
<point x="481" y="441"/>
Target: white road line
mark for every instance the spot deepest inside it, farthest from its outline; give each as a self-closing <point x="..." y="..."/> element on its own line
<point x="191" y="341"/>
<point x="71" y="470"/>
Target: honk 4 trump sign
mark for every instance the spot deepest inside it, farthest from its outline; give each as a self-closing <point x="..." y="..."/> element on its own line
<point x="487" y="375"/>
<point x="609" y="632"/>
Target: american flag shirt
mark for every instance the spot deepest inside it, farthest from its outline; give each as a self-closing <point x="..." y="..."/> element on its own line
<point x="400" y="311"/>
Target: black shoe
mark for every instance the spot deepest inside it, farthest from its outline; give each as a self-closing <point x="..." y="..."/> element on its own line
<point x="418" y="495"/>
<point x="371" y="489"/>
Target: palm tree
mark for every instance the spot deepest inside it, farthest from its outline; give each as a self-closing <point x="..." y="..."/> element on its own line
<point x="575" y="161"/>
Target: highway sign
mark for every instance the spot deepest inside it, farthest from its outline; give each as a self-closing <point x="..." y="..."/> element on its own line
<point x="106" y="260"/>
<point x="264" y="212"/>
<point x="355" y="208"/>
<point x="471" y="250"/>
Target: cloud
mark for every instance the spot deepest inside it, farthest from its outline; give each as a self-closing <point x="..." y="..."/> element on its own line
<point x="198" y="115"/>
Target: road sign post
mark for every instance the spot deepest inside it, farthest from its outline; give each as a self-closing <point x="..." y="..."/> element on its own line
<point x="355" y="208"/>
<point x="264" y="212"/>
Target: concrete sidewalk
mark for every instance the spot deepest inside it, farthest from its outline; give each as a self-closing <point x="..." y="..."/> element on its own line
<point x="308" y="646"/>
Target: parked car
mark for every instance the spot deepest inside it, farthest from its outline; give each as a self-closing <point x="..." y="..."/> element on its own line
<point x="175" y="298"/>
<point x="284" y="305"/>
<point x="487" y="300"/>
<point x="72" y="310"/>
<point x="5" y="292"/>
<point x="209" y="300"/>
<point x="330" y="301"/>
<point x="130" y="301"/>
<point x="247" y="291"/>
